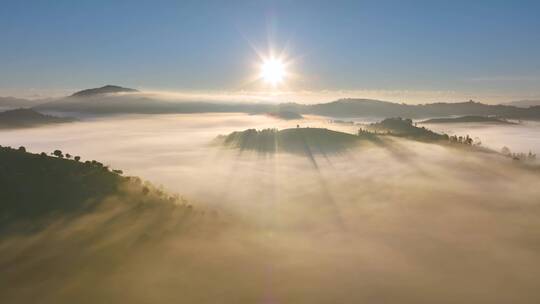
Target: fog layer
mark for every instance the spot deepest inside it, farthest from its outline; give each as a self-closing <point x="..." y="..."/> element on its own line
<point x="390" y="222"/>
<point x="522" y="137"/>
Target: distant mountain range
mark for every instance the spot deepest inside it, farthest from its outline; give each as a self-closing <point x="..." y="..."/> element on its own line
<point x="523" y="103"/>
<point x="104" y="100"/>
<point x="24" y="118"/>
<point x="377" y="108"/>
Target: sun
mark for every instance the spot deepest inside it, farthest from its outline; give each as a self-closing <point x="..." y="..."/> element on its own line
<point x="273" y="71"/>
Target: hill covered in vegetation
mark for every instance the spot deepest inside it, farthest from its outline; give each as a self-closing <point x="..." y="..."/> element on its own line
<point x="405" y="128"/>
<point x="295" y="140"/>
<point x="324" y="141"/>
<point x="468" y="118"/>
<point x="26" y="118"/>
<point x="34" y="187"/>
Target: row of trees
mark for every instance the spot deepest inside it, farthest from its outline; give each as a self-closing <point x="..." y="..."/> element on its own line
<point x="518" y="156"/>
<point x="60" y="154"/>
<point x="467" y="140"/>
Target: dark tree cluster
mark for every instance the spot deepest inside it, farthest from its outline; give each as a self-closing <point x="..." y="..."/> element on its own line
<point x="518" y="156"/>
<point x="467" y="140"/>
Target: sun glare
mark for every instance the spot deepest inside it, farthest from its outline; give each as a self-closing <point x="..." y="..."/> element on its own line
<point x="273" y="71"/>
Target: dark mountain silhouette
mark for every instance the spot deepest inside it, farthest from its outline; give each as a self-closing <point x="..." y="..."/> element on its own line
<point x="25" y="118"/>
<point x="103" y="90"/>
<point x="465" y="119"/>
<point x="97" y="101"/>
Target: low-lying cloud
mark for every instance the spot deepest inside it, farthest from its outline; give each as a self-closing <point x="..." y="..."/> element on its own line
<point x="401" y="222"/>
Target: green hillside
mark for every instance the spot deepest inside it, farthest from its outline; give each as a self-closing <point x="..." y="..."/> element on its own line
<point x="295" y="140"/>
<point x="36" y="186"/>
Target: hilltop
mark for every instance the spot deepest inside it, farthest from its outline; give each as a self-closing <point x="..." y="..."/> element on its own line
<point x="108" y="89"/>
<point x="25" y="118"/>
<point x="405" y="128"/>
<point x="465" y="119"/>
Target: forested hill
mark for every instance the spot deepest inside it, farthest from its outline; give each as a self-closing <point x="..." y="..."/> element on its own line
<point x="36" y="186"/>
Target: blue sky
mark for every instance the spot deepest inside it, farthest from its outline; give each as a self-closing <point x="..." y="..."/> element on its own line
<point x="483" y="49"/>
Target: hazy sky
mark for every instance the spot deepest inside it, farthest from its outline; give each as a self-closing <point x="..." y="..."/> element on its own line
<point x="487" y="50"/>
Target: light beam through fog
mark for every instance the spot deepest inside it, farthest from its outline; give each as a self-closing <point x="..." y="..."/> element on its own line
<point x="275" y="152"/>
<point x="395" y="220"/>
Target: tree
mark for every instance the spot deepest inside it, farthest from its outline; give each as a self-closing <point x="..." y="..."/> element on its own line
<point x="58" y="153"/>
<point x="506" y="151"/>
<point x="68" y="156"/>
<point x="22" y="149"/>
<point x="145" y="190"/>
<point x="77" y="158"/>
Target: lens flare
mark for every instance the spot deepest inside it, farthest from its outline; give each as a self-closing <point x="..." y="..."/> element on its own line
<point x="273" y="71"/>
